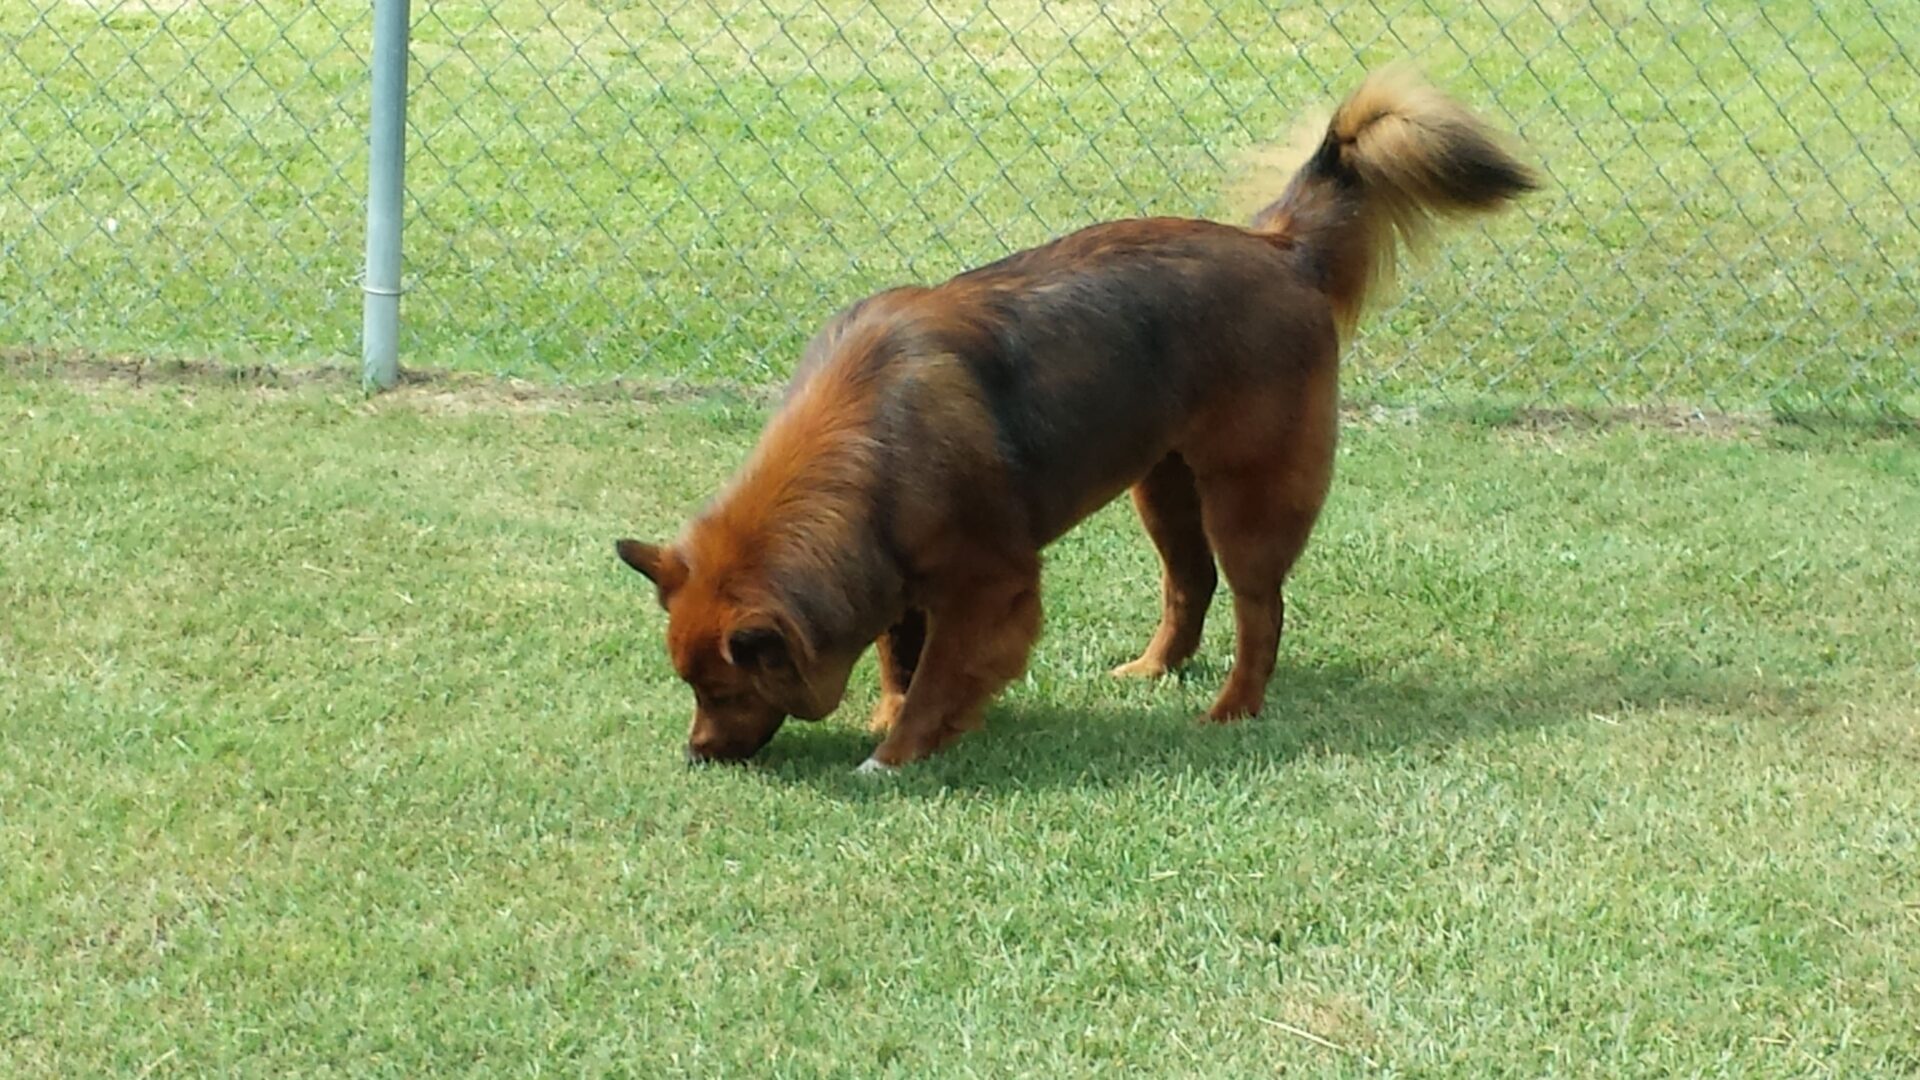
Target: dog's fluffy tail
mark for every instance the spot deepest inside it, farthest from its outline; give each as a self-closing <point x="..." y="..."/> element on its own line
<point x="1397" y="155"/>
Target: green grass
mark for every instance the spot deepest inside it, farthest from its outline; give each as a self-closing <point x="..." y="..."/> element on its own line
<point x="598" y="188"/>
<point x="334" y="739"/>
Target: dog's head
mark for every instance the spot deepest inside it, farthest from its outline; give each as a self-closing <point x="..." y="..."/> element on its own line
<point x="746" y="655"/>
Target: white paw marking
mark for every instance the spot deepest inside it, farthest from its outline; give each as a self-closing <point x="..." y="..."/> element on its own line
<point x="873" y="767"/>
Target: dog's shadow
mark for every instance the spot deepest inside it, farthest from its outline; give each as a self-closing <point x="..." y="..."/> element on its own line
<point x="1031" y="744"/>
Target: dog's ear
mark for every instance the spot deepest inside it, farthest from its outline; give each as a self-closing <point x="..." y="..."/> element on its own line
<point x="661" y="564"/>
<point x="785" y="665"/>
<point x="769" y="649"/>
<point x="763" y="644"/>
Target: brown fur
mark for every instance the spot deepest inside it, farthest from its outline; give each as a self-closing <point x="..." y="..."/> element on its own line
<point x="934" y="440"/>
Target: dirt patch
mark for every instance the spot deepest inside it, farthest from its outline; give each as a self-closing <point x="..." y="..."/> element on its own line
<point x="83" y="367"/>
<point x="455" y="392"/>
<point x="429" y="390"/>
<point x="1677" y="418"/>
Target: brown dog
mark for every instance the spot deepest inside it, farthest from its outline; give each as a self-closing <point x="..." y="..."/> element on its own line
<point x="934" y="440"/>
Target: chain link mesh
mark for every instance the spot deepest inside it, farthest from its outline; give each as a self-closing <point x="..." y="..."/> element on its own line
<point x="684" y="189"/>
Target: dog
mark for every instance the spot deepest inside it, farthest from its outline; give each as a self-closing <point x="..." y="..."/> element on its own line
<point x="933" y="440"/>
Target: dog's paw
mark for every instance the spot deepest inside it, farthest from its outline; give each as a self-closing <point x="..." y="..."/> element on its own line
<point x="885" y="713"/>
<point x="875" y="767"/>
<point x="1229" y="713"/>
<point x="1143" y="668"/>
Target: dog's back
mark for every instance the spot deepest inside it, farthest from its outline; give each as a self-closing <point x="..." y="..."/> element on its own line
<point x="1115" y="345"/>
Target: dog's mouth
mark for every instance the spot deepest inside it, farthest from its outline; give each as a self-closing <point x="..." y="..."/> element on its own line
<point x="736" y="741"/>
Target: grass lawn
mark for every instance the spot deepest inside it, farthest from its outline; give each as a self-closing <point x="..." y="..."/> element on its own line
<point x="333" y="738"/>
<point x="685" y="189"/>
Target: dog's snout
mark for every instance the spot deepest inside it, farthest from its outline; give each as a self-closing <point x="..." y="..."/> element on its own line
<point x="706" y="748"/>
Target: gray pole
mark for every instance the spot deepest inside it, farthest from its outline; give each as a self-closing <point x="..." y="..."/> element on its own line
<point x="386" y="187"/>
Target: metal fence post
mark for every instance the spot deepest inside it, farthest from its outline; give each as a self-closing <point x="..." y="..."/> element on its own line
<point x="386" y="188"/>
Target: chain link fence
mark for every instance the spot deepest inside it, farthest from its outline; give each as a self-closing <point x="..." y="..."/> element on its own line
<point x="676" y="190"/>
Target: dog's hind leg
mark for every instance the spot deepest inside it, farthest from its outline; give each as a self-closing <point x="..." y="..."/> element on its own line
<point x="899" y="652"/>
<point x="1261" y="490"/>
<point x="1259" y="526"/>
<point x="1169" y="507"/>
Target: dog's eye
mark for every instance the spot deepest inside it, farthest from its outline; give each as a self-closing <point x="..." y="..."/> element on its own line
<point x="721" y="700"/>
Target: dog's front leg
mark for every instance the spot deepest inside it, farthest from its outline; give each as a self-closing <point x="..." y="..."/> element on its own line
<point x="977" y="641"/>
<point x="899" y="651"/>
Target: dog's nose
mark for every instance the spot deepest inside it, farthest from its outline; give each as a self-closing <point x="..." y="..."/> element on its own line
<point x="695" y="757"/>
